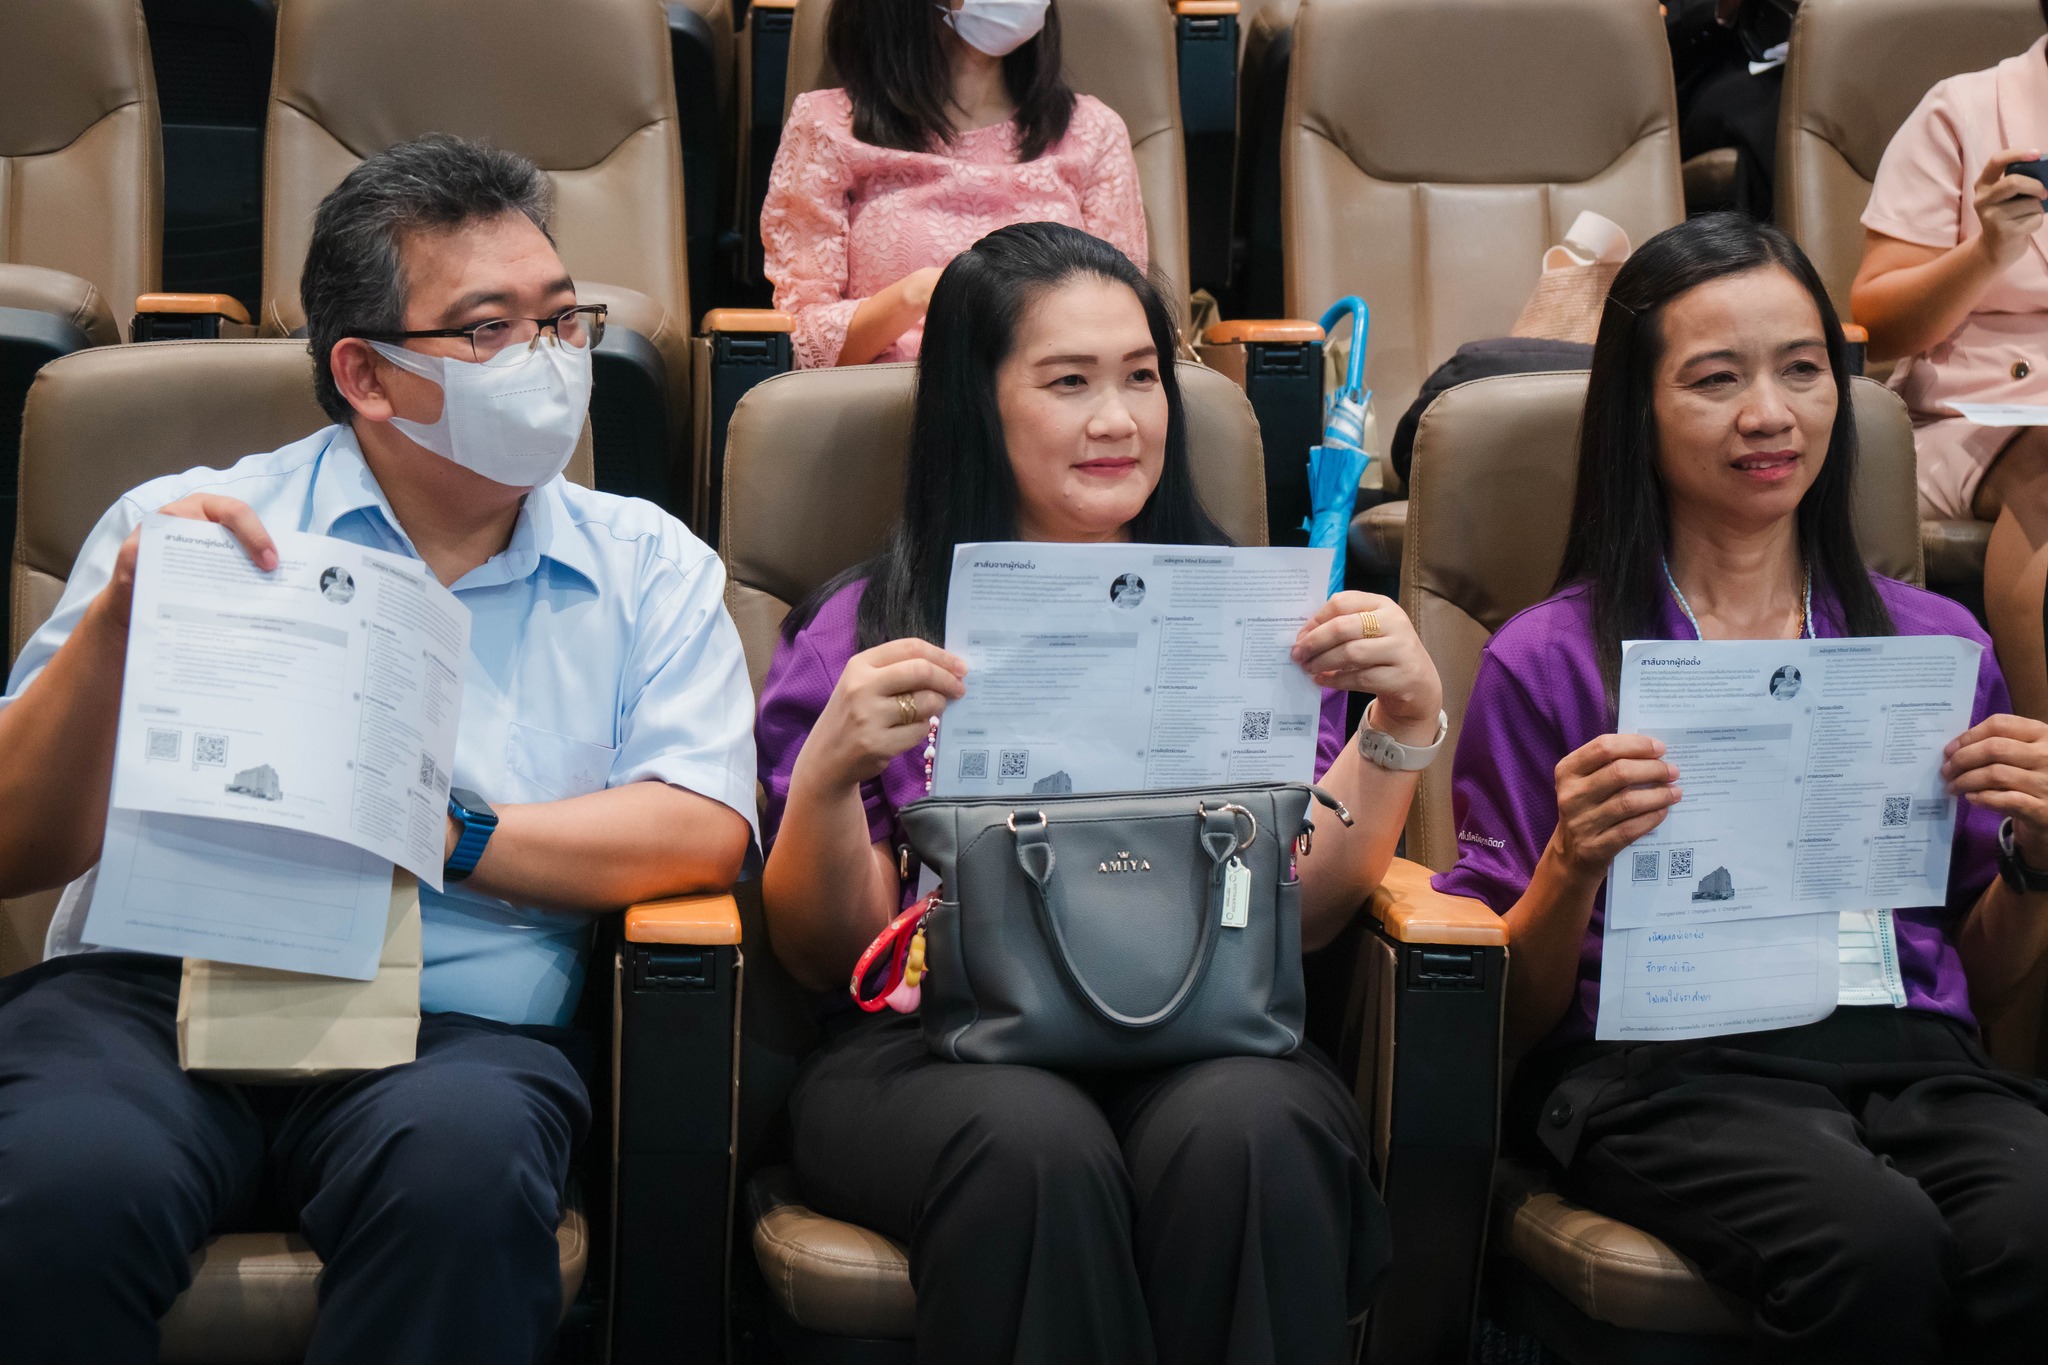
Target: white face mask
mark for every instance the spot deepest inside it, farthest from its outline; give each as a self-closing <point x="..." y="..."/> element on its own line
<point x="997" y="27"/>
<point x="514" y="418"/>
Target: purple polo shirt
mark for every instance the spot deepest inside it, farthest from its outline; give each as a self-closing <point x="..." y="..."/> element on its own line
<point x="1539" y="696"/>
<point x="800" y="682"/>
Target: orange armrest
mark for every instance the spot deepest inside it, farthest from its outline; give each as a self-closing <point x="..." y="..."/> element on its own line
<point x="748" y="319"/>
<point x="1413" y="911"/>
<point x="1855" y="335"/>
<point x="223" y="304"/>
<point x="1261" y="329"/>
<point x="1204" y="8"/>
<point x="700" y="920"/>
<point x="774" y="4"/>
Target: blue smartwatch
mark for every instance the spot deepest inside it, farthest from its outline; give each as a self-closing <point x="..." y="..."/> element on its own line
<point x="477" y="819"/>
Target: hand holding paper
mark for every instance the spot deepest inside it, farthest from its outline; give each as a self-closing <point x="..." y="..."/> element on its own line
<point x="1811" y="772"/>
<point x="1813" y="806"/>
<point x="1610" y="793"/>
<point x="265" y="713"/>
<point x="1099" y="668"/>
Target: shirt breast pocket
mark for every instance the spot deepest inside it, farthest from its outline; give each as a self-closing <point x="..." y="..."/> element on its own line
<point x="553" y="766"/>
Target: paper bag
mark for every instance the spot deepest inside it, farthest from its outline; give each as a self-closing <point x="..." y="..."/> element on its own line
<point x="1573" y="288"/>
<point x="256" y="1024"/>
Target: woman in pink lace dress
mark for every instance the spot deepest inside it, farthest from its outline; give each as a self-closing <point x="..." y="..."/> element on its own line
<point x="953" y="122"/>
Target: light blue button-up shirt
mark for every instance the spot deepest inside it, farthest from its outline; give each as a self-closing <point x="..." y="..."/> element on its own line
<point x="600" y="653"/>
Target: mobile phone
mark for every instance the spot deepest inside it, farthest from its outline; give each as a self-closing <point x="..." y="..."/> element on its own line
<point x="2033" y="170"/>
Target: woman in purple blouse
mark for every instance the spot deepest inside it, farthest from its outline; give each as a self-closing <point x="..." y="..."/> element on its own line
<point x="1219" y="1211"/>
<point x="1869" y="1182"/>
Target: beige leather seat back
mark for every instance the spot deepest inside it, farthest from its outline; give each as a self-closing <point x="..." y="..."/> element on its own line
<point x="81" y="166"/>
<point x="1434" y="149"/>
<point x="1489" y="507"/>
<point x="102" y="421"/>
<point x="581" y="87"/>
<point x="814" y="480"/>
<point x="1124" y="53"/>
<point x="1856" y="69"/>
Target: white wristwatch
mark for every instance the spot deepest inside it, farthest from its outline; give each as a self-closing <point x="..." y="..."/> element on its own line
<point x="1382" y="750"/>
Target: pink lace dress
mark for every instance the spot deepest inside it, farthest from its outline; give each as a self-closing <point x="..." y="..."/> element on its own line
<point x="844" y="219"/>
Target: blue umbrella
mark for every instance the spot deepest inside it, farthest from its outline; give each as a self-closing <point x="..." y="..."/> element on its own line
<point x="1336" y="466"/>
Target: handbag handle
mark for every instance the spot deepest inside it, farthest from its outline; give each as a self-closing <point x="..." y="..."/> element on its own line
<point x="1035" y="856"/>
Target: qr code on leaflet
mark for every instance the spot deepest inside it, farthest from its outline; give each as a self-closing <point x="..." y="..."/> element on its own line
<point x="1015" y="766"/>
<point x="1681" y="863"/>
<point x="974" y="765"/>
<point x="1896" y="810"/>
<point x="431" y="776"/>
<point x="210" y="751"/>
<point x="1644" y="867"/>
<point x="164" y="745"/>
<point x="1255" y="728"/>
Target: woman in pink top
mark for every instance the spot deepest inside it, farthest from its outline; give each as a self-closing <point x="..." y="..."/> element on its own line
<point x="954" y="121"/>
<point x="1954" y="284"/>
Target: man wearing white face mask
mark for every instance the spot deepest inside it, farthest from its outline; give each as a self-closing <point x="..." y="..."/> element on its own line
<point x="605" y="756"/>
<point x="954" y="120"/>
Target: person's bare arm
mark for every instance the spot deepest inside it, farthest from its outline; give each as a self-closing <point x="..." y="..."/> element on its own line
<point x="57" y="738"/>
<point x="1610" y="793"/>
<point x="608" y="849"/>
<point x="1910" y="296"/>
<point x="2001" y="764"/>
<point x="886" y="315"/>
<point x="1345" y="864"/>
<point x="828" y="888"/>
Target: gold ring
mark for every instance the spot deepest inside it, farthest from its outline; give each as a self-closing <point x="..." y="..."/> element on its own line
<point x="1369" y="625"/>
<point x="908" y="708"/>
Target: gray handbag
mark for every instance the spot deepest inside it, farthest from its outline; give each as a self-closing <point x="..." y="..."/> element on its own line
<point x="1132" y="930"/>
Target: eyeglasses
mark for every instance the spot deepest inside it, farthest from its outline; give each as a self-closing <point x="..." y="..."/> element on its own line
<point x="578" y="328"/>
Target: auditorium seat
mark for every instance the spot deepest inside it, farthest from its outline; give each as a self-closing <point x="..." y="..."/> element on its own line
<point x="103" y="421"/>
<point x="1489" y="506"/>
<point x="814" y="482"/>
<point x="585" y="89"/>
<point x="1433" y="150"/>
<point x="81" y="193"/>
<point x="1856" y="69"/>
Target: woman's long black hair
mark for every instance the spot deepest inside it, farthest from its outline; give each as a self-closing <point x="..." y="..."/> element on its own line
<point x="960" y="487"/>
<point x="891" y="57"/>
<point x="1620" y="532"/>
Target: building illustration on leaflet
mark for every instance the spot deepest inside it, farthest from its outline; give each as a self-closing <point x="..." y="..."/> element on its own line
<point x="259" y="782"/>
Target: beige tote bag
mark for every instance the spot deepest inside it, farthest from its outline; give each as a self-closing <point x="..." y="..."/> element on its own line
<point x="1573" y="288"/>
<point x="254" y="1025"/>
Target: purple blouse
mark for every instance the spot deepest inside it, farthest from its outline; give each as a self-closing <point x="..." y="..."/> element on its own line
<point x="1539" y="696"/>
<point x="800" y="682"/>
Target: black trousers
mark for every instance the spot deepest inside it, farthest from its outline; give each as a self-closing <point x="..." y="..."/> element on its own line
<point x="1219" y="1211"/>
<point x="431" y="1191"/>
<point x="1870" y="1181"/>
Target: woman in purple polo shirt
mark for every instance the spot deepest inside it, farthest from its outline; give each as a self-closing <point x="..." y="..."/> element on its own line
<point x="1219" y="1211"/>
<point x="1869" y="1181"/>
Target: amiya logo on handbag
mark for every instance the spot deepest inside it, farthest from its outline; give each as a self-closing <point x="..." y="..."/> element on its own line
<point x="1124" y="862"/>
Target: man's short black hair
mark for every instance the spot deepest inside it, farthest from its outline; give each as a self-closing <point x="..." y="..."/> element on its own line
<point x="353" y="281"/>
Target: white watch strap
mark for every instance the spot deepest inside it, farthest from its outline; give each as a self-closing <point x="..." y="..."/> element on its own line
<point x="1382" y="750"/>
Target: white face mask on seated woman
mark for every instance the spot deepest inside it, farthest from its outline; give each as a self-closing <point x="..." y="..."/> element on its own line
<point x="997" y="27"/>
